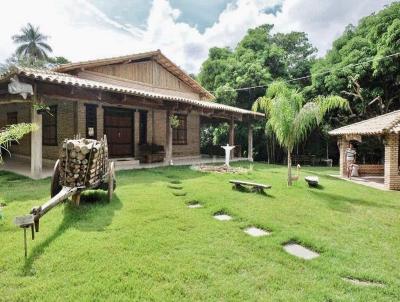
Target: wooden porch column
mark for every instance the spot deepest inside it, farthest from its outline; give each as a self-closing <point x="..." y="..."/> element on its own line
<point x="36" y="145"/>
<point x="392" y="177"/>
<point x="250" y="143"/>
<point x="153" y="128"/>
<point x="168" y="143"/>
<point x="343" y="145"/>
<point x="232" y="135"/>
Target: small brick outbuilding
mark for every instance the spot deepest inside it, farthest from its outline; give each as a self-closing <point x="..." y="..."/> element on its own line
<point x="387" y="127"/>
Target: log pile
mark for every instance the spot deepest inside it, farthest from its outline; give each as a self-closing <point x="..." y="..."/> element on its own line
<point x="83" y="162"/>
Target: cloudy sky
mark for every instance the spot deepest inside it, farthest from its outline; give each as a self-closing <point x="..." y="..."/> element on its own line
<point x="184" y="30"/>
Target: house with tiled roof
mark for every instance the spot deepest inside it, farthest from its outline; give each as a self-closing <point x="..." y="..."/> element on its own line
<point x="132" y="99"/>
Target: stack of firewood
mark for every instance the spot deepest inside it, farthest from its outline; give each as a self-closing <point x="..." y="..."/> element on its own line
<point x="83" y="162"/>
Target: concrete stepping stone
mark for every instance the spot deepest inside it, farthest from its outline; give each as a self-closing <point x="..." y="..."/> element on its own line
<point x="195" y="206"/>
<point x="363" y="282"/>
<point x="256" y="232"/>
<point x="222" y="217"/>
<point x="300" y="251"/>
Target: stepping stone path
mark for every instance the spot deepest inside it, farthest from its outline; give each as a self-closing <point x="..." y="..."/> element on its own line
<point x="363" y="282"/>
<point x="256" y="232"/>
<point x="179" y="193"/>
<point x="222" y="217"/>
<point x="300" y="251"/>
<point x="195" y="206"/>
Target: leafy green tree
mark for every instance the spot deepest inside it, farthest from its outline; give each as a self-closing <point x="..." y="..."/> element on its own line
<point x="363" y="66"/>
<point x="291" y="118"/>
<point x="259" y="58"/>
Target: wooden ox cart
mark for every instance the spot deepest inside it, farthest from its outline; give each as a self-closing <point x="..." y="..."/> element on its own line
<point x="83" y="164"/>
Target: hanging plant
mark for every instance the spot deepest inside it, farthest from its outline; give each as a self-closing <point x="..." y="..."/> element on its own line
<point x="41" y="108"/>
<point x="174" y="121"/>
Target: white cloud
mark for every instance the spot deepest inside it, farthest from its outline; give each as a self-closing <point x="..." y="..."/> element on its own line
<point x="80" y="31"/>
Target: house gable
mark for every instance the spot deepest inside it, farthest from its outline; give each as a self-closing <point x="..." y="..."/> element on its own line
<point x="145" y="71"/>
<point x="149" y="68"/>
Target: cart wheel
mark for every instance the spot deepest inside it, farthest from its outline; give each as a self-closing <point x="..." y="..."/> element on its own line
<point x="55" y="180"/>
<point x="111" y="181"/>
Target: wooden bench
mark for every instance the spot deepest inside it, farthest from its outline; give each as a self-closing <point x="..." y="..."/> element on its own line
<point x="259" y="188"/>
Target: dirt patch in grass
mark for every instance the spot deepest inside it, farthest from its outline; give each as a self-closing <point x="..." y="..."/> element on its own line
<point x="220" y="169"/>
<point x="363" y="282"/>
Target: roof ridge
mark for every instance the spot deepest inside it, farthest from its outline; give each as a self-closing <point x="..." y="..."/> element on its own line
<point x="372" y="118"/>
<point x="71" y="64"/>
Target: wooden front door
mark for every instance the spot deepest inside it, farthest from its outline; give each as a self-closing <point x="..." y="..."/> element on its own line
<point x="118" y="126"/>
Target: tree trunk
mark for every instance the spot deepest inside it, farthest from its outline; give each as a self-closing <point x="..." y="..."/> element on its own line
<point x="289" y="165"/>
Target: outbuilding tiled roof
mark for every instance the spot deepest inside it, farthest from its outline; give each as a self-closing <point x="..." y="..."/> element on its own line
<point x="386" y="123"/>
<point x="46" y="75"/>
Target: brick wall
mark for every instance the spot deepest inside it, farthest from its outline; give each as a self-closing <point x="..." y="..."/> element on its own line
<point x="71" y="120"/>
<point x="193" y="133"/>
<point x="392" y="177"/>
<point x="193" y="138"/>
<point x="65" y="125"/>
<point x="23" y="116"/>
<point x="342" y="144"/>
<point x="371" y="170"/>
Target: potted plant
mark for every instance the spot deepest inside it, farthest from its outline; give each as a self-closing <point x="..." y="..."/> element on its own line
<point x="174" y="121"/>
<point x="41" y="108"/>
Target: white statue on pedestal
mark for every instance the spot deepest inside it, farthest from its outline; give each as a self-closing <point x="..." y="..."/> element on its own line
<point x="228" y="150"/>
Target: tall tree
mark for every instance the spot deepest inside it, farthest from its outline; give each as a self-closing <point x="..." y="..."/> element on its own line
<point x="32" y="43"/>
<point x="291" y="118"/>
<point x="363" y="66"/>
<point x="258" y="59"/>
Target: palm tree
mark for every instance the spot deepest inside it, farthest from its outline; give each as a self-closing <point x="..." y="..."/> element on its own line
<point x="291" y="118"/>
<point x="13" y="133"/>
<point x="32" y="43"/>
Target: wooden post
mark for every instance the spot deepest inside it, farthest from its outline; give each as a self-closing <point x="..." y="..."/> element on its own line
<point x="168" y="143"/>
<point x="36" y="145"/>
<point x="153" y="128"/>
<point x="232" y="135"/>
<point x="250" y="143"/>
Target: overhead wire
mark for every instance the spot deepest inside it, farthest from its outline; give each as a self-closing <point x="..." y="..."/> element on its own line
<point x="316" y="74"/>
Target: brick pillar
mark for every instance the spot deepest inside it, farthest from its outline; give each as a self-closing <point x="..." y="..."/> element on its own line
<point x="168" y="142"/>
<point x="392" y="178"/>
<point x="343" y="145"/>
<point x="232" y="135"/>
<point x="36" y="145"/>
<point x="250" y="143"/>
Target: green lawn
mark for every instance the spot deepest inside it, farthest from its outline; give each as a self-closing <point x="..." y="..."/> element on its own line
<point x="146" y="245"/>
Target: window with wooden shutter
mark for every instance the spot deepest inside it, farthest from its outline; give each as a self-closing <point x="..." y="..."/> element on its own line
<point x="91" y="121"/>
<point x="142" y="127"/>
<point x="179" y="134"/>
<point x="49" y="127"/>
<point x="12" y="118"/>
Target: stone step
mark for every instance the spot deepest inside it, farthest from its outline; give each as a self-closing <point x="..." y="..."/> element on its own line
<point x="126" y="163"/>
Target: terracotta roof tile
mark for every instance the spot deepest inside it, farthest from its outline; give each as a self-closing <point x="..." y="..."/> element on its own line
<point x="386" y="123"/>
<point x="71" y="80"/>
